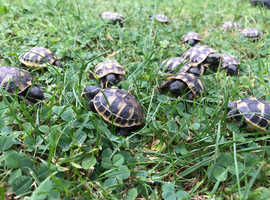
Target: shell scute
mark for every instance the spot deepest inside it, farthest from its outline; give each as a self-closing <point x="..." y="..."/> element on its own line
<point x="15" y="80"/>
<point x="38" y="57"/>
<point x="107" y="67"/>
<point x="118" y="107"/>
<point x="191" y="36"/>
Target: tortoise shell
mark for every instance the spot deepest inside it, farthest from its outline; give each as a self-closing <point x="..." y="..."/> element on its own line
<point x="197" y="54"/>
<point x="38" y="57"/>
<point x="171" y="64"/>
<point x="15" y="80"/>
<point x="256" y="112"/>
<point x="194" y="83"/>
<point x="230" y="25"/>
<point x="118" y="107"/>
<point x="187" y="69"/>
<point x="112" y="16"/>
<point x="251" y="33"/>
<point x="191" y="36"/>
<point x="265" y="3"/>
<point x="161" y="18"/>
<point x="227" y="60"/>
<point x="109" y="67"/>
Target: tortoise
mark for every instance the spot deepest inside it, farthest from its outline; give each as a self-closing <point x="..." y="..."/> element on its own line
<point x="254" y="112"/>
<point x="19" y="81"/>
<point x="265" y="3"/>
<point x="195" y="70"/>
<point x="39" y="57"/>
<point x="229" y="63"/>
<point x="116" y="107"/>
<point x="252" y="33"/>
<point x="183" y="83"/>
<point x="171" y="64"/>
<point x="110" y="72"/>
<point x="192" y="38"/>
<point x="200" y="56"/>
<point x="231" y="25"/>
<point x="113" y="17"/>
<point x="160" y="18"/>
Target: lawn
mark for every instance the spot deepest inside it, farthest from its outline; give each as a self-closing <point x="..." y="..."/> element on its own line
<point x="57" y="149"/>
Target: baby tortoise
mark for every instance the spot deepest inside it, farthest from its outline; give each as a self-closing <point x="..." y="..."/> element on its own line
<point x="192" y="38"/>
<point x="252" y="33"/>
<point x="183" y="83"/>
<point x="173" y="64"/>
<point x="229" y="63"/>
<point x="112" y="17"/>
<point x="117" y="107"/>
<point x="19" y="81"/>
<point x="200" y="56"/>
<point x="39" y="57"/>
<point x="170" y="65"/>
<point x="195" y="70"/>
<point x="230" y="25"/>
<point x="265" y="3"/>
<point x="161" y="18"/>
<point x="110" y="72"/>
<point x="255" y="113"/>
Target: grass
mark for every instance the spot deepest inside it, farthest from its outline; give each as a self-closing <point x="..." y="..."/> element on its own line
<point x="57" y="149"/>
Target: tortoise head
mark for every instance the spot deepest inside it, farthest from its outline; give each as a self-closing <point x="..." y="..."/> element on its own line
<point x="213" y="58"/>
<point x="232" y="70"/>
<point x="193" y="42"/>
<point x="232" y="109"/>
<point x="35" y="93"/>
<point x="177" y="87"/>
<point x="91" y="91"/>
<point x="58" y="64"/>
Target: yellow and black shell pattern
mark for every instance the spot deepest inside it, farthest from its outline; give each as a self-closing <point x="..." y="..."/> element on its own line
<point x="194" y="83"/>
<point x="228" y="59"/>
<point x="191" y="36"/>
<point x="109" y="67"/>
<point x="15" y="80"/>
<point x="171" y="64"/>
<point x="187" y="68"/>
<point x="38" y="57"/>
<point x="197" y="54"/>
<point x="256" y="112"/>
<point x="118" y="107"/>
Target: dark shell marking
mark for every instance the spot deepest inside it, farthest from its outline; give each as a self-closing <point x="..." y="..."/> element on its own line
<point x="251" y="33"/>
<point x="197" y="54"/>
<point x="255" y="111"/>
<point x="38" y="57"/>
<point x="118" y="107"/>
<point x="193" y="82"/>
<point x="191" y="36"/>
<point x="15" y="80"/>
<point x="109" y="67"/>
<point x="228" y="59"/>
